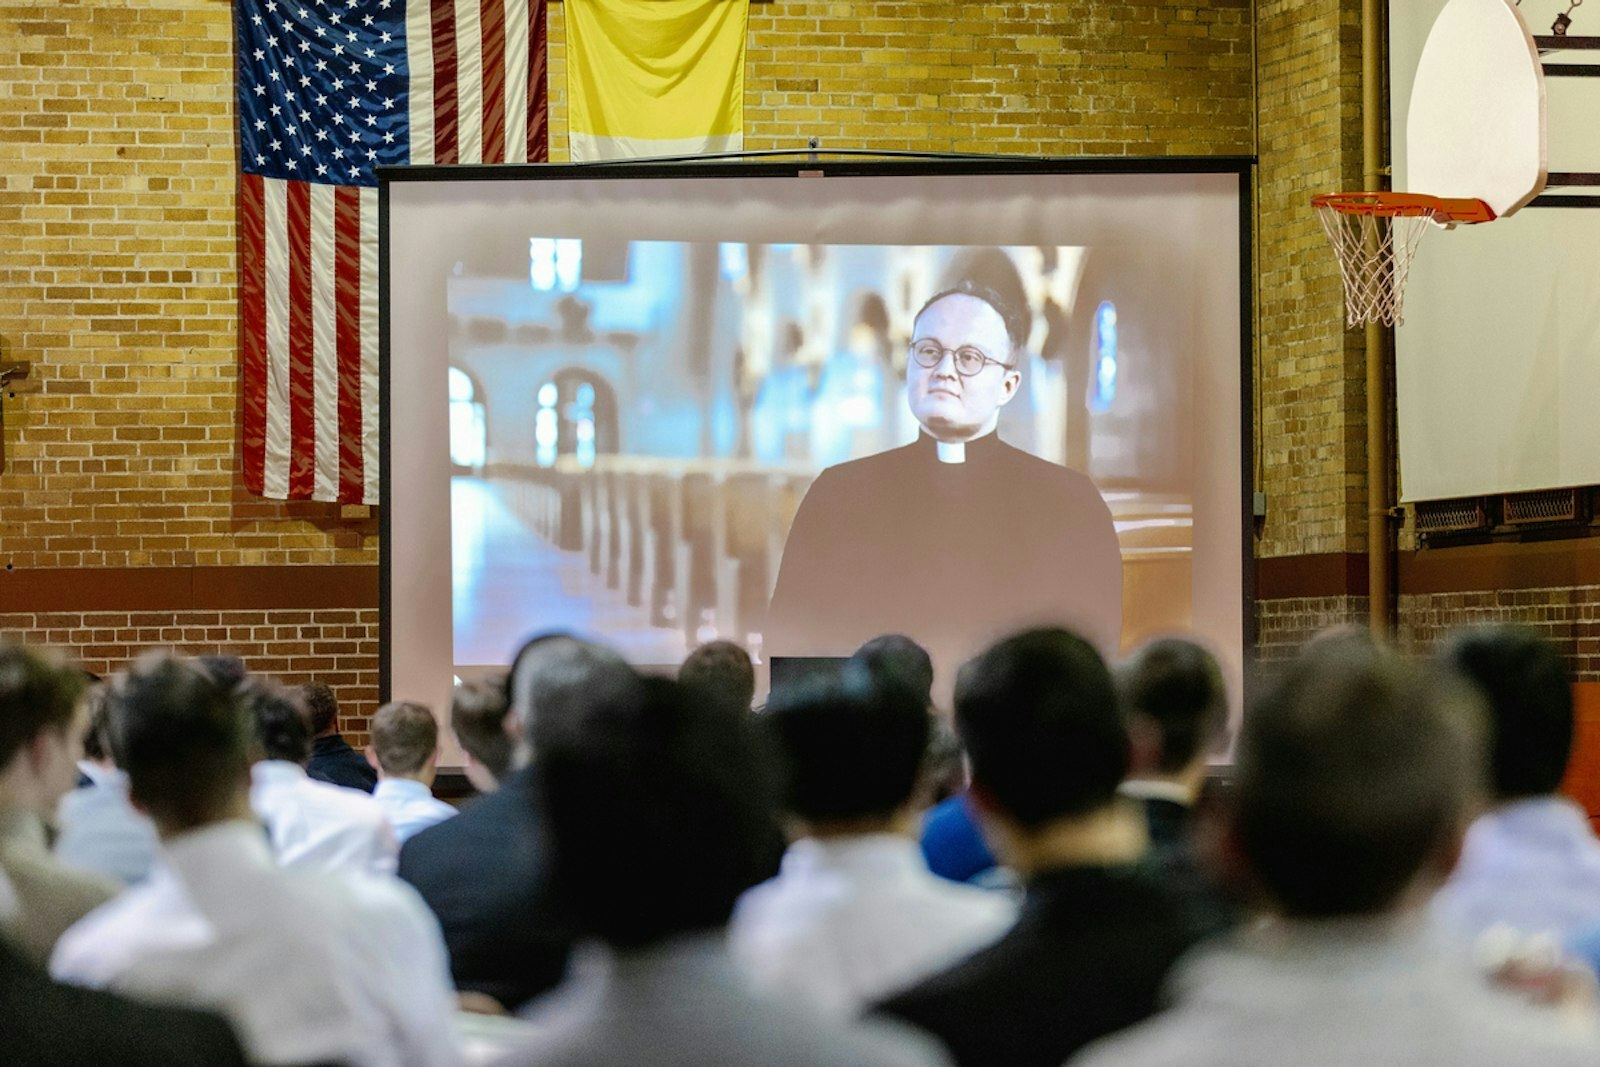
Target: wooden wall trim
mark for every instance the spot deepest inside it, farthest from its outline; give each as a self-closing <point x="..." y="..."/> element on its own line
<point x="1321" y="575"/>
<point x="1512" y="565"/>
<point x="1462" y="569"/>
<point x="238" y="588"/>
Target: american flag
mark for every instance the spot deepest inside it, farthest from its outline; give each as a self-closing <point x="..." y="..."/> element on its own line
<point x="328" y="91"/>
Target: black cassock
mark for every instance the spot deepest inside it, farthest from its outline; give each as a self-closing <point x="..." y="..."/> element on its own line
<point x="954" y="555"/>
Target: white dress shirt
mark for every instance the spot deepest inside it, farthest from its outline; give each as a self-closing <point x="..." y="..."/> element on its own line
<point x="321" y="826"/>
<point x="101" y="831"/>
<point x="410" y="806"/>
<point x="309" y="966"/>
<point x="849" y="921"/>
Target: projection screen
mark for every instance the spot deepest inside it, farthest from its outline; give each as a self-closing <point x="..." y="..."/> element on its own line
<point x="664" y="405"/>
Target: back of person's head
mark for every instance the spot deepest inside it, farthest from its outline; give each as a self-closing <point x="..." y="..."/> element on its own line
<point x="405" y="738"/>
<point x="279" y="720"/>
<point x="851" y="748"/>
<point x="1528" y="691"/>
<point x="1354" y="773"/>
<point x="226" y="669"/>
<point x="723" y="668"/>
<point x="1039" y="717"/>
<point x="324" y="708"/>
<point x="38" y="693"/>
<point x="656" y="779"/>
<point x="478" y="716"/>
<point x="183" y="738"/>
<point x="897" y="659"/>
<point x="1176" y="686"/>
<point x="97" y="744"/>
<point x="556" y="676"/>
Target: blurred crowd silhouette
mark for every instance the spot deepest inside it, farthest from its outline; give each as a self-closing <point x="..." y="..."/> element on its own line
<point x="1074" y="862"/>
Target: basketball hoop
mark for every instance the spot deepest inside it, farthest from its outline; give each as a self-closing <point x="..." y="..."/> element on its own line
<point x="1375" y="236"/>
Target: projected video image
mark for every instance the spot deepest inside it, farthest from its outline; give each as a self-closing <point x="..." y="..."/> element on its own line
<point x="662" y="443"/>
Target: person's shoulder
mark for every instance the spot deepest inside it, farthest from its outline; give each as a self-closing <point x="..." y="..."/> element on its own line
<point x="101" y="945"/>
<point x="867" y="469"/>
<point x="1043" y="472"/>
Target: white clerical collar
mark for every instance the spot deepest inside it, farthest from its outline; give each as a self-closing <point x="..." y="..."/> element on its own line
<point x="951" y="452"/>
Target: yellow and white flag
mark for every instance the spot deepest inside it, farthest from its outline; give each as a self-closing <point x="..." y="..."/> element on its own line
<point x="655" y="77"/>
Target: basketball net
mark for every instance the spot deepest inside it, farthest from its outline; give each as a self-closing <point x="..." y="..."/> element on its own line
<point x="1375" y="236"/>
<point x="1375" y="254"/>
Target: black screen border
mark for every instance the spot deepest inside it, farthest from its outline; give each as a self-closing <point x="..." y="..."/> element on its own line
<point x="1241" y="166"/>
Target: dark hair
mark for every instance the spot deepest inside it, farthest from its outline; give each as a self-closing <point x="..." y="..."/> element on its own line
<point x="97" y="742"/>
<point x="897" y="658"/>
<point x="851" y="748"/>
<point x="478" y="717"/>
<point x="37" y="693"/>
<point x="1528" y="690"/>
<point x="557" y="677"/>
<point x="279" y="720"/>
<point x="1352" y="772"/>
<point x="404" y="737"/>
<point x="1038" y="715"/>
<point x="1016" y="319"/>
<point x="1177" y="685"/>
<point x="724" y="668"/>
<point x="226" y="669"/>
<point x="655" y="779"/>
<point x="182" y="737"/>
<point x="323" y="705"/>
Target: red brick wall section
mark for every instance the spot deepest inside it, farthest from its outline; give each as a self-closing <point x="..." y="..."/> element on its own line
<point x="1568" y="616"/>
<point x="1282" y="626"/>
<point x="339" y="647"/>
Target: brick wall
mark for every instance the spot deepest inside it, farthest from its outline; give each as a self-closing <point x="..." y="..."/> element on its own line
<point x="1052" y="77"/>
<point x="340" y="647"/>
<point x="1312" y="433"/>
<point x="117" y="275"/>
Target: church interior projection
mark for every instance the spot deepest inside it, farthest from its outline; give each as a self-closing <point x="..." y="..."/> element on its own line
<point x="634" y="424"/>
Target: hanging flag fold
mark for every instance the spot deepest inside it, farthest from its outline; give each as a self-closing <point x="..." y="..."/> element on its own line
<point x="328" y="90"/>
<point x="655" y="77"/>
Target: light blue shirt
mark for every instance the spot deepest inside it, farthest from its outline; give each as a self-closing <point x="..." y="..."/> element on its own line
<point x="1532" y="865"/>
<point x="102" y="832"/>
<point x="410" y="805"/>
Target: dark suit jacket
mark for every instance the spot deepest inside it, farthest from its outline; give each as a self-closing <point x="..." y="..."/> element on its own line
<point x="1086" y="957"/>
<point x="484" y="875"/>
<point x="955" y="555"/>
<point x="333" y="760"/>
<point x="43" y="1024"/>
<point x="1206" y="905"/>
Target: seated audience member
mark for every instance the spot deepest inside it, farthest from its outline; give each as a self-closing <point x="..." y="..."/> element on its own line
<point x="49" y="1025"/>
<point x="483" y="872"/>
<point x="1176" y="707"/>
<point x="311" y="966"/>
<point x="724" y="668"/>
<point x="1355" y="780"/>
<point x="854" y="914"/>
<point x="952" y="846"/>
<point x="312" y="824"/>
<point x="478" y="712"/>
<point x="42" y="721"/>
<point x="1531" y="862"/>
<point x="99" y="829"/>
<point x="1038" y="713"/>
<point x="405" y="746"/>
<point x="658" y="805"/>
<point x="332" y="759"/>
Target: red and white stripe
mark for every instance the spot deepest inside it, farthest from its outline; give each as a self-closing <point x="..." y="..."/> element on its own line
<point x="309" y="252"/>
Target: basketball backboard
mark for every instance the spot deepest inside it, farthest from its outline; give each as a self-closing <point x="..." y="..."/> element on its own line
<point x="1476" y="126"/>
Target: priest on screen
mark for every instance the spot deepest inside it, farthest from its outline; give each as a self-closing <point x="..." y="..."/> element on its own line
<point x="957" y="538"/>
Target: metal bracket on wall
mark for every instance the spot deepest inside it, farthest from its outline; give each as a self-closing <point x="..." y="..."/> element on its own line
<point x="9" y="373"/>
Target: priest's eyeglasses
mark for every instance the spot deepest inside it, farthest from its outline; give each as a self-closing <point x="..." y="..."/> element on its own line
<point x="968" y="360"/>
